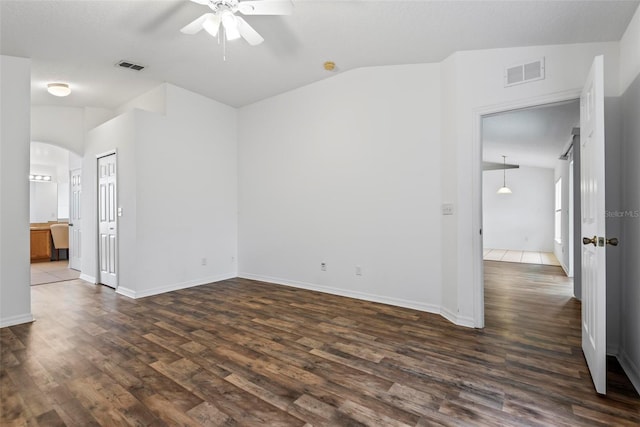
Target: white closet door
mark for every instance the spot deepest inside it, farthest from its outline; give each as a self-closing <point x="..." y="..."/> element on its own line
<point x="107" y="221"/>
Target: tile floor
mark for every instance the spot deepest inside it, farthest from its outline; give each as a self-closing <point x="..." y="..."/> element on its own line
<point x="524" y="257"/>
<point x="54" y="271"/>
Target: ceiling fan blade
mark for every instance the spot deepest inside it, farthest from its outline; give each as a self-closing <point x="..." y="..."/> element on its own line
<point x="212" y="24"/>
<point x="248" y="33"/>
<point x="196" y="25"/>
<point x="205" y="2"/>
<point x="266" y="7"/>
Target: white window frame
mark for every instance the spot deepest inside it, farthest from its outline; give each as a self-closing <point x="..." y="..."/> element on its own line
<point x="558" y="212"/>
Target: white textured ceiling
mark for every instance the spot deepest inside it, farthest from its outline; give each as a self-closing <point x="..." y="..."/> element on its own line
<point x="80" y="41"/>
<point x="530" y="137"/>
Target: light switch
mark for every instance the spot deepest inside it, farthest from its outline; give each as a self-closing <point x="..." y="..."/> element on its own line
<point x="447" y="209"/>
<point x="119" y="211"/>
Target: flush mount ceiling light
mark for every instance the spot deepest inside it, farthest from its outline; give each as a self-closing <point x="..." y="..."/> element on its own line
<point x="504" y="189"/>
<point x="58" y="89"/>
<point x="329" y="65"/>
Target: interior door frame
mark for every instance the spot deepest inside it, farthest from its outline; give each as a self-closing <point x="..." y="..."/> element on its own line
<point x="97" y="217"/>
<point x="72" y="222"/>
<point x="476" y="203"/>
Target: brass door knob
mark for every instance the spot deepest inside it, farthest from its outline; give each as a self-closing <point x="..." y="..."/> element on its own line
<point x="593" y="241"/>
<point x="613" y="241"/>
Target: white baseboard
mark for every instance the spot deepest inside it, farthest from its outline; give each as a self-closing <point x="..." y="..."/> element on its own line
<point x="565" y="268"/>
<point x="429" y="308"/>
<point x="130" y="293"/>
<point x="631" y="369"/>
<point x="16" y="320"/>
<point x="456" y="319"/>
<point x="173" y="287"/>
<point x="88" y="278"/>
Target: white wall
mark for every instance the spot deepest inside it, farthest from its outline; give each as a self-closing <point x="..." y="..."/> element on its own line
<point x="630" y="241"/>
<point x="153" y="101"/>
<point x="613" y="203"/>
<point x="479" y="86"/>
<point x="630" y="53"/>
<point x="61" y="126"/>
<point x="66" y="127"/>
<point x="15" y="99"/>
<point x="630" y="223"/>
<point x="523" y="220"/>
<point x="346" y="171"/>
<point x="177" y="186"/>
<point x="449" y="183"/>
<point x="94" y="116"/>
<point x="470" y="82"/>
<point x="116" y="134"/>
<point x="186" y="173"/>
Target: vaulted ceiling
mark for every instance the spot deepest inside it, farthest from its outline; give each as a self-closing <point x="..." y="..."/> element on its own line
<point x="80" y="42"/>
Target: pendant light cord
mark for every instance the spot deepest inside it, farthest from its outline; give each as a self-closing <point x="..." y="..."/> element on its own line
<point x="504" y="171"/>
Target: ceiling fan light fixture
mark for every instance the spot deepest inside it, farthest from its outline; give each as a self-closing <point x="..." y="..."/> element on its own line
<point x="58" y="89"/>
<point x="230" y="25"/>
<point x="212" y="25"/>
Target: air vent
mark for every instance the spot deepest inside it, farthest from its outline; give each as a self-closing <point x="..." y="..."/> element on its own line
<point x="524" y="73"/>
<point x="130" y="65"/>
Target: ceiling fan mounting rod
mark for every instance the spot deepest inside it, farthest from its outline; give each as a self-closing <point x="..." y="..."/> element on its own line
<point x="219" y="5"/>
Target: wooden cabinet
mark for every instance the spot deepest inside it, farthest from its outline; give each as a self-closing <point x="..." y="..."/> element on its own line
<point x="40" y="245"/>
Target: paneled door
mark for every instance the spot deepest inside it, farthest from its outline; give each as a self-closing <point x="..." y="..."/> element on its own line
<point x="107" y="221"/>
<point x="592" y="180"/>
<point x="75" y="226"/>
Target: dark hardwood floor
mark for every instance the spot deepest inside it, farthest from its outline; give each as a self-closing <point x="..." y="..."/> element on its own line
<point x="241" y="352"/>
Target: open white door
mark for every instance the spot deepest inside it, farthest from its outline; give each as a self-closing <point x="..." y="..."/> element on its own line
<point x="592" y="175"/>
<point x="107" y="221"/>
<point x="75" y="227"/>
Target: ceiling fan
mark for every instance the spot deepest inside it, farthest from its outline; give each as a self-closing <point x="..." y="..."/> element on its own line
<point x="234" y="26"/>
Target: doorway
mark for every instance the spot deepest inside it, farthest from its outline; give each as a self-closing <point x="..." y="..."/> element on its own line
<point x="477" y="190"/>
<point x="526" y="184"/>
<point x="49" y="216"/>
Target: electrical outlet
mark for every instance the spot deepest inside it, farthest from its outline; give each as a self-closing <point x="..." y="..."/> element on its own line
<point x="358" y="270"/>
<point x="323" y="266"/>
<point x="204" y="261"/>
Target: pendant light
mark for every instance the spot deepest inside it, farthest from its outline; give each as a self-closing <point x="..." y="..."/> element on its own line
<point x="504" y="189"/>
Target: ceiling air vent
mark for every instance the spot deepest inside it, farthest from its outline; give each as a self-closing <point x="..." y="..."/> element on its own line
<point x="130" y="65"/>
<point x="524" y="73"/>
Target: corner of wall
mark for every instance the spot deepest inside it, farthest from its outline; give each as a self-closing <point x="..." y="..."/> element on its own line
<point x="15" y="119"/>
<point x="94" y="117"/>
<point x="631" y="369"/>
<point x="154" y="100"/>
<point x="466" y="321"/>
<point x="630" y="52"/>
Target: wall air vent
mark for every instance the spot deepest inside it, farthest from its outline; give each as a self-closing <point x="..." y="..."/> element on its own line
<point x="524" y="73"/>
<point x="130" y="65"/>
